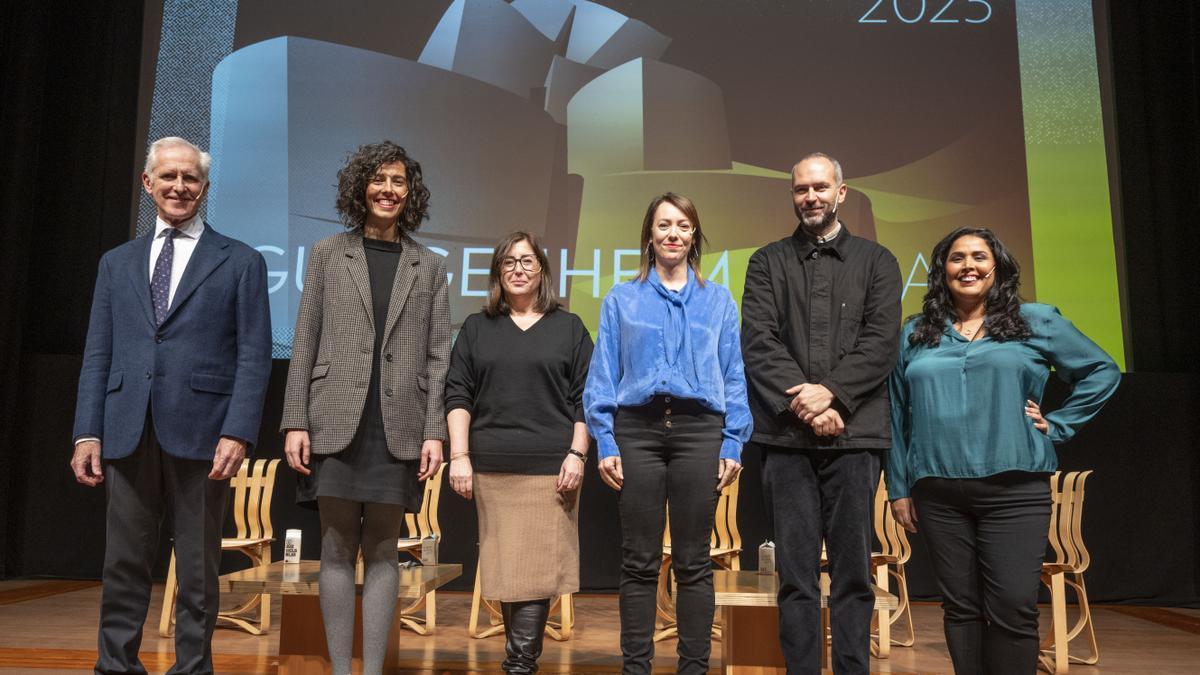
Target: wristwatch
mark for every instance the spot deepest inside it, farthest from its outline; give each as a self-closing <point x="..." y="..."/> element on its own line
<point x="582" y="457"/>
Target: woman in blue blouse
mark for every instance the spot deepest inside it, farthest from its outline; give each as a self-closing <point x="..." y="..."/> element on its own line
<point x="971" y="450"/>
<point x="666" y="401"/>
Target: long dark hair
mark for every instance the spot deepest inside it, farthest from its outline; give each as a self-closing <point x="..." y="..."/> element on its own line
<point x="360" y="169"/>
<point x="1003" y="321"/>
<point x="693" y="256"/>
<point x="547" y="299"/>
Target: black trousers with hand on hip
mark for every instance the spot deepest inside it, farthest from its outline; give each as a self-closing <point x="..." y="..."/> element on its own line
<point x="813" y="495"/>
<point x="987" y="539"/>
<point x="141" y="488"/>
<point x="670" y="454"/>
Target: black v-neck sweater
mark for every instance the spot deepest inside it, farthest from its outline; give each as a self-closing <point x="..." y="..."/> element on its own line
<point x="524" y="389"/>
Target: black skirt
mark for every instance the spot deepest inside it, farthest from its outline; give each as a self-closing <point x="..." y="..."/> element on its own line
<point x="363" y="472"/>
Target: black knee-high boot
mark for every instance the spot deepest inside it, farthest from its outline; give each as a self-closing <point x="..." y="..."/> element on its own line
<point x="524" y="626"/>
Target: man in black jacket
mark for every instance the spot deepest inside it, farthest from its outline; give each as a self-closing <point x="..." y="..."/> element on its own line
<point x="820" y="331"/>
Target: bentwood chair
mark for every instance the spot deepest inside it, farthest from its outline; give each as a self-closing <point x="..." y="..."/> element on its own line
<point x="888" y="564"/>
<point x="252" y="488"/>
<point x="1071" y="560"/>
<point x="421" y="616"/>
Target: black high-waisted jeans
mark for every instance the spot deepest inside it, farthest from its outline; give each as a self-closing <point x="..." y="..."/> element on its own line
<point x="670" y="453"/>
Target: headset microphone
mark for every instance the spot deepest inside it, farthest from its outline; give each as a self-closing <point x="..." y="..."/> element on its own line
<point x="836" y="204"/>
<point x="989" y="273"/>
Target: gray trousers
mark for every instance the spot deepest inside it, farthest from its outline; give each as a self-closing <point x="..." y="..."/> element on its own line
<point x="142" y="488"/>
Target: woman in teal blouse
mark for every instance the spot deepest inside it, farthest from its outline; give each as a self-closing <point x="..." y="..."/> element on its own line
<point x="971" y="450"/>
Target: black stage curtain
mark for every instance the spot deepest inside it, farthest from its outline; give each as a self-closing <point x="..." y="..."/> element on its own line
<point x="1156" y="71"/>
<point x="68" y="118"/>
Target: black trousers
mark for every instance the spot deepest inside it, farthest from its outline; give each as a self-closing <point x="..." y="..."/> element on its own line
<point x="813" y="495"/>
<point x="670" y="454"/>
<point x="987" y="539"/>
<point x="140" y="489"/>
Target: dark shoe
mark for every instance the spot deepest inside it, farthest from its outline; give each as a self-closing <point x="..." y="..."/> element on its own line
<point x="524" y="626"/>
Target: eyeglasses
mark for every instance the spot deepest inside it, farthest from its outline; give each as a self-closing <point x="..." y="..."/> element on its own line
<point x="528" y="263"/>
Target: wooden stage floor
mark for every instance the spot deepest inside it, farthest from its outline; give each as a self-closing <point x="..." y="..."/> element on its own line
<point x="50" y="627"/>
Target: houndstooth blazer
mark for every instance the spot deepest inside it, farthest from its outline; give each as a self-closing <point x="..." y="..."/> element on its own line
<point x="335" y="333"/>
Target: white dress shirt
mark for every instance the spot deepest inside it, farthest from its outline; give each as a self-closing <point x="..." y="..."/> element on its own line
<point x="185" y="244"/>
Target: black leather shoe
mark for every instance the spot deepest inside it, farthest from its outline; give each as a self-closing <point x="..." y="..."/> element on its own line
<point x="524" y="627"/>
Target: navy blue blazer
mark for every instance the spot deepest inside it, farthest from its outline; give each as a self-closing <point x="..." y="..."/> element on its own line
<point x="203" y="372"/>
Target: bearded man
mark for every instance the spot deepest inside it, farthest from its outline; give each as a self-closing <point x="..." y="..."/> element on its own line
<point x="820" y="332"/>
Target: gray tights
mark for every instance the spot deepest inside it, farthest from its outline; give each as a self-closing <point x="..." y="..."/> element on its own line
<point x="347" y="526"/>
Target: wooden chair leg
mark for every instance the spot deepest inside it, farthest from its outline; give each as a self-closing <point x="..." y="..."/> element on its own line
<point x="473" y="622"/>
<point x="479" y="604"/>
<point x="664" y="604"/>
<point x="825" y="639"/>
<point x="1090" y="628"/>
<point x="825" y="636"/>
<point x="1055" y="659"/>
<point x="560" y="630"/>
<point x="1060" y="624"/>
<point x="264" y="605"/>
<point x="883" y="643"/>
<point x="1083" y="626"/>
<point x="567" y="613"/>
<point x="166" y="622"/>
<point x="904" y="611"/>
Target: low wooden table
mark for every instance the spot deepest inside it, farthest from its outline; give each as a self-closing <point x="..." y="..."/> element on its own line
<point x="750" y="620"/>
<point x="301" y="631"/>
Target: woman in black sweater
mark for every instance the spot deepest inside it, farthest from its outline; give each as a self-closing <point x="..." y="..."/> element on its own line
<point x="518" y="442"/>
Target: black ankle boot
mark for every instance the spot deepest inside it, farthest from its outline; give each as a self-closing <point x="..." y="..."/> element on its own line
<point x="524" y="626"/>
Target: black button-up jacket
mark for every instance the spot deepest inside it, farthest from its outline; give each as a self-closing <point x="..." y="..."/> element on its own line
<point x="824" y="314"/>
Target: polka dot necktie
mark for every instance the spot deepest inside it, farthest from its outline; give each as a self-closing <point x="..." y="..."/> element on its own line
<point x="160" y="281"/>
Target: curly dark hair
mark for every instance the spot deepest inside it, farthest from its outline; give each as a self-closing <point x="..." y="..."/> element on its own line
<point x="361" y="167"/>
<point x="1003" y="321"/>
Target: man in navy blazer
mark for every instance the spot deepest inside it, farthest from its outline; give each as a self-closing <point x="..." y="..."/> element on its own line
<point x="170" y="396"/>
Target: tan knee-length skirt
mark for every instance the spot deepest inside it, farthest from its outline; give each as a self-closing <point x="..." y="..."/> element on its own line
<point x="528" y="537"/>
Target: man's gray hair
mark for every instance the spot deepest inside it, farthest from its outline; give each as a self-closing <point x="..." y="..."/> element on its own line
<point x="837" y="166"/>
<point x="176" y="142"/>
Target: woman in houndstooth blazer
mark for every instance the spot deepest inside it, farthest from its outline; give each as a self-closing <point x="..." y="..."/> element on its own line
<point x="363" y="411"/>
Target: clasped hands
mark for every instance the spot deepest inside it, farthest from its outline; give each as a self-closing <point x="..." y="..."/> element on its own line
<point x="812" y="404"/>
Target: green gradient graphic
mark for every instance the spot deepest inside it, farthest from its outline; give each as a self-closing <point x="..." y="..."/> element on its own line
<point x="1057" y="221"/>
<point x="1069" y="202"/>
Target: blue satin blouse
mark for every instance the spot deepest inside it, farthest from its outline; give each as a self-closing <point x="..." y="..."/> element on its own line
<point x="684" y="344"/>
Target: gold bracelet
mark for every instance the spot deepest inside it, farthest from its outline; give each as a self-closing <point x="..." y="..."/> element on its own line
<point x="456" y="455"/>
